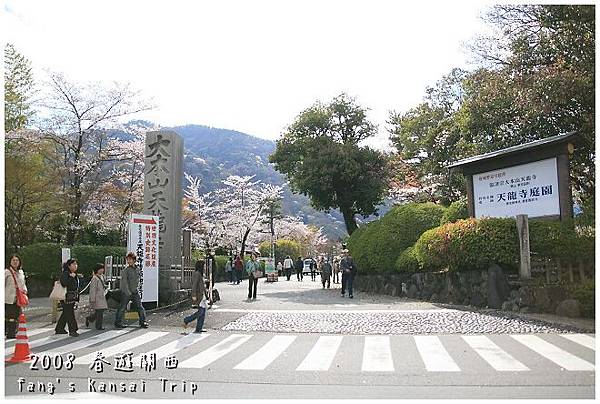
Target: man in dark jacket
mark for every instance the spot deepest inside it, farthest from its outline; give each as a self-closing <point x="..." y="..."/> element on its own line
<point x="130" y="280"/>
<point x="299" y="266"/>
<point x="348" y="268"/>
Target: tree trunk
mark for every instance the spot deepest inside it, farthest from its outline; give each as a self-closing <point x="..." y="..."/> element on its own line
<point x="348" y="214"/>
<point x="242" y="251"/>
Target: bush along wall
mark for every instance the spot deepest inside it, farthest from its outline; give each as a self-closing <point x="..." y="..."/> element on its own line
<point x="42" y="263"/>
<point x="376" y="246"/>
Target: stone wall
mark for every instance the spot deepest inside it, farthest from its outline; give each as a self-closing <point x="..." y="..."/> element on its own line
<point x="480" y="289"/>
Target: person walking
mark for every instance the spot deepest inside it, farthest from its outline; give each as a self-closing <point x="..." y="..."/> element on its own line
<point x="288" y="265"/>
<point x="13" y="278"/>
<point x="336" y="270"/>
<point x="97" y="298"/>
<point x="349" y="269"/>
<point x="130" y="280"/>
<point x="279" y="268"/>
<point x="70" y="281"/>
<point x="198" y="299"/>
<point x="238" y="265"/>
<point x="299" y="267"/>
<point x="313" y="270"/>
<point x="326" y="274"/>
<point x="251" y="266"/>
<point x="229" y="270"/>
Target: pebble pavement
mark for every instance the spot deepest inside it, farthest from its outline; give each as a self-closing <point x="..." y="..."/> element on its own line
<point x="413" y="322"/>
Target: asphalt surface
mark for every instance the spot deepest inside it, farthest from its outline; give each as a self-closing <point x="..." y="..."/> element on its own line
<point x="247" y="353"/>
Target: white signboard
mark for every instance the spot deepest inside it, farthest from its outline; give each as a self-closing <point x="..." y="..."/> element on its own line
<point x="65" y="254"/>
<point x="529" y="189"/>
<point x="143" y="241"/>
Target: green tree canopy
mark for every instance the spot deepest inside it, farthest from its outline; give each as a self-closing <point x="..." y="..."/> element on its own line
<point x="536" y="81"/>
<point x="321" y="157"/>
<point x="18" y="89"/>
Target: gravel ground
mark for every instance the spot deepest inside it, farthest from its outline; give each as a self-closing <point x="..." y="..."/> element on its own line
<point x="424" y="322"/>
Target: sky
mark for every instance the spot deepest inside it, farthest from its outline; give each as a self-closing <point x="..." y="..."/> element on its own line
<point x="251" y="66"/>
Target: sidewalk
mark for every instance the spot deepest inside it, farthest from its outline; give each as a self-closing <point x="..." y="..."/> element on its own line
<point x="287" y="296"/>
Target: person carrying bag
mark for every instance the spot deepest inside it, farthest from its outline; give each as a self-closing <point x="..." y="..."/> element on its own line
<point x="97" y="298"/>
<point x="198" y="299"/>
<point x="254" y="272"/>
<point x="70" y="281"/>
<point x="15" y="295"/>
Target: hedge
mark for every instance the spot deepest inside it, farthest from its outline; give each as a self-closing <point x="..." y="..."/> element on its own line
<point x="376" y="246"/>
<point x="44" y="259"/>
<point x="584" y="293"/>
<point x="456" y="211"/>
<point x="473" y="244"/>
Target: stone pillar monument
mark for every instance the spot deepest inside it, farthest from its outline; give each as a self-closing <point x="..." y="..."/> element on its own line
<point x="162" y="197"/>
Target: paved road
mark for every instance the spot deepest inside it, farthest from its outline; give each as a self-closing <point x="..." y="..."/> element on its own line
<point x="238" y="359"/>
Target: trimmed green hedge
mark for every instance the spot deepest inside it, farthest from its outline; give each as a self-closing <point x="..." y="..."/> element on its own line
<point x="456" y="211"/>
<point x="376" y="246"/>
<point x="473" y="244"/>
<point x="44" y="259"/>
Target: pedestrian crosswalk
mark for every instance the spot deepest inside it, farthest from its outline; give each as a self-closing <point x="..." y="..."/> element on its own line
<point x="321" y="353"/>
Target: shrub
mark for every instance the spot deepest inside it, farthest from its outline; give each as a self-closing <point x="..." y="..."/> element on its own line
<point x="456" y="211"/>
<point x="376" y="246"/>
<point x="44" y="259"/>
<point x="473" y="244"/>
<point x="469" y="244"/>
<point x="584" y="293"/>
<point x="407" y="261"/>
<point x="560" y="240"/>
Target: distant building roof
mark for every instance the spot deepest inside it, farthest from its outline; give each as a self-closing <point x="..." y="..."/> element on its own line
<point x="526" y="147"/>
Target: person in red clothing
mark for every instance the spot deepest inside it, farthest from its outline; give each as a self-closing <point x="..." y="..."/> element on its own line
<point x="238" y="266"/>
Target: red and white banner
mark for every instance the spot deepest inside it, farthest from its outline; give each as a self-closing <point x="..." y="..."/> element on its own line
<point x="143" y="241"/>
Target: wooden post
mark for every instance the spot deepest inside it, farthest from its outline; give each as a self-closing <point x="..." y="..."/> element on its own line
<point x="523" y="230"/>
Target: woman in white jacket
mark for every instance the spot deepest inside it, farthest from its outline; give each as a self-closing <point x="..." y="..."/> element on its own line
<point x="12" y="274"/>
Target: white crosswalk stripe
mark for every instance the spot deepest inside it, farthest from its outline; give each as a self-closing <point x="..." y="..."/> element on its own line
<point x="322" y="354"/>
<point x="123" y="347"/>
<point x="172" y="347"/>
<point x="582" y="339"/>
<point x="492" y="354"/>
<point x="434" y="355"/>
<point x="30" y="333"/>
<point x="267" y="353"/>
<point x="52" y="338"/>
<point x="377" y="355"/>
<point x="215" y="352"/>
<point x="84" y="343"/>
<point x="547" y="350"/>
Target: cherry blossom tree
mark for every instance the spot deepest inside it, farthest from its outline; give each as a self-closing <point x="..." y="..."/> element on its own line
<point x="77" y="119"/>
<point x="231" y="215"/>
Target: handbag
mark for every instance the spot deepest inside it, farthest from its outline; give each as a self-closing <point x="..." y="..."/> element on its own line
<point x="22" y="299"/>
<point x="258" y="273"/>
<point x="58" y="291"/>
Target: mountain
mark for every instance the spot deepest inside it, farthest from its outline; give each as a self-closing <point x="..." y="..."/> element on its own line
<point x="213" y="154"/>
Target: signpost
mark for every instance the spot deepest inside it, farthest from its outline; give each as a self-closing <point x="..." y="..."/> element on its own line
<point x="143" y="240"/>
